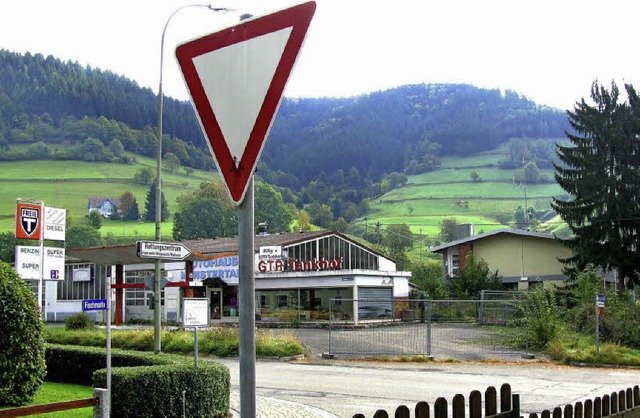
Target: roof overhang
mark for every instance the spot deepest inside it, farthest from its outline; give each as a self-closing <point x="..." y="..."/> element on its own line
<point x="118" y="254"/>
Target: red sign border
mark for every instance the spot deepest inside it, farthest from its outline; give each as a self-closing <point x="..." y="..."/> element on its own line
<point x="298" y="18"/>
<point x="20" y="232"/>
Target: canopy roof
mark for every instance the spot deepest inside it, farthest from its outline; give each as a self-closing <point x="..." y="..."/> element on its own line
<point x="109" y="255"/>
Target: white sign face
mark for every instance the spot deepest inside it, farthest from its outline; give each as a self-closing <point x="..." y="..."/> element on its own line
<point x="270" y="253"/>
<point x="54" y="223"/>
<point x="162" y="250"/>
<point x="195" y="312"/>
<point x="28" y="260"/>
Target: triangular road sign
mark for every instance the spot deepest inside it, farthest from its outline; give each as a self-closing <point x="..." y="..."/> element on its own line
<point x="236" y="78"/>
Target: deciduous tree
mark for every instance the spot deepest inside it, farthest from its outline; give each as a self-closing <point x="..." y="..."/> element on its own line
<point x="270" y="208"/>
<point x="205" y="213"/>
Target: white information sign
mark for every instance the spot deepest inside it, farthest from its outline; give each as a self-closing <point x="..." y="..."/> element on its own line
<point x="270" y="253"/>
<point x="55" y="220"/>
<point x="28" y="260"/>
<point x="195" y="312"/>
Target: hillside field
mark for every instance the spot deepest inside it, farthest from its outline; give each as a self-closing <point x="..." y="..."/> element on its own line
<point x="429" y="198"/>
<point x="423" y="203"/>
<point x="70" y="184"/>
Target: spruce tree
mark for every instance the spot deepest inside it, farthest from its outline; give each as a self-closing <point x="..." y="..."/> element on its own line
<point x="150" y="205"/>
<point x="599" y="171"/>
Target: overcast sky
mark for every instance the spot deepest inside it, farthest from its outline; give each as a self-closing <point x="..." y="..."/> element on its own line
<point x="548" y="50"/>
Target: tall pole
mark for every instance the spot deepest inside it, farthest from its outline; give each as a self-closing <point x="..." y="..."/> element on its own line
<point x="157" y="291"/>
<point x="43" y="305"/>
<point x="246" y="289"/>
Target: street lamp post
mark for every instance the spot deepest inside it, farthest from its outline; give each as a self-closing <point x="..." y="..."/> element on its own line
<point x="157" y="292"/>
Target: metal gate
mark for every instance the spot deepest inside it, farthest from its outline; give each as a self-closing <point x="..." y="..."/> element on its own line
<point x="443" y="329"/>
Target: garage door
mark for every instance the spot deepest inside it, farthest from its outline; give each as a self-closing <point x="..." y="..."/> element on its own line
<point x="375" y="302"/>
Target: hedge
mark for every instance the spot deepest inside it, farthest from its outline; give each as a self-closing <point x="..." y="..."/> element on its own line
<point x="76" y="364"/>
<point x="144" y="384"/>
<point x="156" y="391"/>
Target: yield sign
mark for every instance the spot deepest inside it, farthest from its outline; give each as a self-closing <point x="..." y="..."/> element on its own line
<point x="236" y="78"/>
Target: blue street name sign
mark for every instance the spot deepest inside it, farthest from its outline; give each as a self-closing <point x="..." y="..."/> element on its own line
<point x="94" y="305"/>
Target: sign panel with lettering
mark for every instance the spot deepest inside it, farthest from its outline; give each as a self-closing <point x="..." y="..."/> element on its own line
<point x="195" y="312"/>
<point x="162" y="250"/>
<point x="270" y="253"/>
<point x="28" y="261"/>
<point x="54" y="223"/>
<point x="94" y="305"/>
<point x="28" y="221"/>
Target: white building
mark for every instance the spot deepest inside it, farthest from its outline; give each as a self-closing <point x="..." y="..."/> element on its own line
<point x="305" y="276"/>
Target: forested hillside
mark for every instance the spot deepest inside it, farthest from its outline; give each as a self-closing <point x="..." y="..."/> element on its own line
<point x="400" y="130"/>
<point x="405" y="129"/>
<point x="326" y="155"/>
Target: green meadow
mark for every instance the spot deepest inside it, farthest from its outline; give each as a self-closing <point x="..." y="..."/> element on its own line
<point x="449" y="192"/>
<point x="70" y="184"/>
<point x="423" y="203"/>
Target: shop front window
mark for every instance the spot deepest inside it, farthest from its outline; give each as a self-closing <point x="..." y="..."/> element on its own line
<point x="303" y="304"/>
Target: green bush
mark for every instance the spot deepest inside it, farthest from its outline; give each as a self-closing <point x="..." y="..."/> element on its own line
<point x="156" y="391"/>
<point x="78" y="321"/>
<point x="138" y="377"/>
<point x="542" y="315"/>
<point x="22" y="344"/>
<point x="219" y="342"/>
<point x="76" y="364"/>
<point x="619" y="319"/>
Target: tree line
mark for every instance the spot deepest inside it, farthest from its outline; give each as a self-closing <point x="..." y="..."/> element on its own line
<point x="330" y="153"/>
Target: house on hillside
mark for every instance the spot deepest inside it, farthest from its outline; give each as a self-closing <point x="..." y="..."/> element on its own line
<point x="103" y="205"/>
<point x="523" y="258"/>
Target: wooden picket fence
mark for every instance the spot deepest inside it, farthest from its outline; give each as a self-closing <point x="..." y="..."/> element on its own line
<point x="509" y="406"/>
<point x="622" y="404"/>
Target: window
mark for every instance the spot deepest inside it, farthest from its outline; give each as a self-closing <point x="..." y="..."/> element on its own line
<point x="455" y="264"/>
<point x="283" y="301"/>
<point x="83" y="281"/>
<point x="136" y="296"/>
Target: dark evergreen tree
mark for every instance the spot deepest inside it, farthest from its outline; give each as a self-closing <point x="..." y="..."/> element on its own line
<point x="133" y="214"/>
<point x="600" y="171"/>
<point x="150" y="205"/>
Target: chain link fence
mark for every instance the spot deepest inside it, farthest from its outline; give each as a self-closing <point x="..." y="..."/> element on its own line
<point x="469" y="330"/>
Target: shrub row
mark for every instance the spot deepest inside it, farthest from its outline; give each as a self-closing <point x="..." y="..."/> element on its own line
<point x="144" y="384"/>
<point x="156" y="391"/>
<point x="76" y="364"/>
<point x="219" y="342"/>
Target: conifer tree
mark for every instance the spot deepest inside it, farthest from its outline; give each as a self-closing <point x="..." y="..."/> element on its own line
<point x="150" y="205"/>
<point x="599" y="171"/>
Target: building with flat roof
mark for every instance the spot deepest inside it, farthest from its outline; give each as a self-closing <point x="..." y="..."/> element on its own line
<point x="298" y="275"/>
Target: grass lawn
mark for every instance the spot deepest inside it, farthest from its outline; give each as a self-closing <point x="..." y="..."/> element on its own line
<point x="70" y="184"/>
<point x="59" y="392"/>
<point x="429" y="198"/>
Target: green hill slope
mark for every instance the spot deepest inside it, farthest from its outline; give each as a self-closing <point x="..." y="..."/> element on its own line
<point x="449" y="192"/>
<point x="70" y="184"/>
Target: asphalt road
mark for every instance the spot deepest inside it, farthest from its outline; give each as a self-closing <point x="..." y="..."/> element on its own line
<point x="330" y="388"/>
<point x="342" y="387"/>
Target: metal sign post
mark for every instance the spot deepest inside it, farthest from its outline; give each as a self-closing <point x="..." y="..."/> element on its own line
<point x="600" y="303"/>
<point x="236" y="78"/>
<point x="246" y="292"/>
<point x="195" y="313"/>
